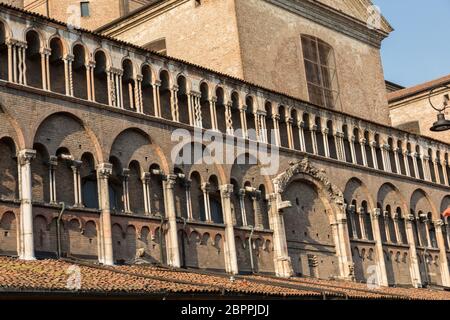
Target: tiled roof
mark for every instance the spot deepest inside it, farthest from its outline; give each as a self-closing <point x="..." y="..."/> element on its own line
<point x="411" y="91"/>
<point x="51" y="276"/>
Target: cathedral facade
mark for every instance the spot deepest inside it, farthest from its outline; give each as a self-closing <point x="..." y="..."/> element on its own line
<point x="88" y="168"/>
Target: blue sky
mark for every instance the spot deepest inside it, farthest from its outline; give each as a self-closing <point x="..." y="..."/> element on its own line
<point x="419" y="48"/>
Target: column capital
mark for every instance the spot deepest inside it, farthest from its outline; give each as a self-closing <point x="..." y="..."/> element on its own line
<point x="363" y="141"/>
<point x="339" y="134"/>
<point x="206" y="187"/>
<point x="171" y="180"/>
<point x="104" y="170"/>
<point x="226" y="190"/>
<point x="53" y="161"/>
<point x="410" y="218"/>
<point x="76" y="164"/>
<point x="438" y="223"/>
<point x="376" y="213"/>
<point x="26" y="156"/>
<point x="46" y="51"/>
<point x="146" y="176"/>
<point x="325" y="131"/>
<point x="126" y="173"/>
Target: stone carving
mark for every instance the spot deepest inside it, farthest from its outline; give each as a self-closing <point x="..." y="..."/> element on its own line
<point x="304" y="167"/>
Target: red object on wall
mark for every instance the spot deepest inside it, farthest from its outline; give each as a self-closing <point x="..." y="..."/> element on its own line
<point x="446" y="213"/>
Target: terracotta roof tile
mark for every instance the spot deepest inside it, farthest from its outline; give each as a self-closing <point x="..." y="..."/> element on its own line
<point x="408" y="92"/>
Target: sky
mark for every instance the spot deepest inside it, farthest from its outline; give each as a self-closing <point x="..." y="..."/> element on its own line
<point x="419" y="48"/>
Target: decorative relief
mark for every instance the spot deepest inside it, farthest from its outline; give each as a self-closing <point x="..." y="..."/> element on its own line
<point x="304" y="167"/>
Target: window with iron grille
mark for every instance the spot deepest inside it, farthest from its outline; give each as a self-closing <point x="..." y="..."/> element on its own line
<point x="320" y="70"/>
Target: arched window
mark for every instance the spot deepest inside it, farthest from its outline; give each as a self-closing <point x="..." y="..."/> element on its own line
<point x="57" y="70"/>
<point x="148" y="98"/>
<point x="320" y="70"/>
<point x="236" y="112"/>
<point x="115" y="186"/>
<point x="331" y="140"/>
<point x="33" y="60"/>
<point x="221" y="110"/>
<point x="410" y="161"/>
<point x="182" y="98"/>
<point x="205" y="106"/>
<point x="431" y="166"/>
<point x="197" y="198"/>
<point x="165" y="96"/>
<point x="392" y="156"/>
<point x="368" y="150"/>
<point x="283" y="127"/>
<point x="215" y="201"/>
<point x="295" y="129"/>
<point x="101" y="78"/>
<point x="378" y="152"/>
<point x="135" y="189"/>
<point x="250" y="118"/>
<point x="401" y="158"/>
<point x="440" y="178"/>
<point x="347" y="148"/>
<point x="269" y="123"/>
<point x="9" y="187"/>
<point x="307" y="133"/>
<point x="79" y="72"/>
<point x="89" y="182"/>
<point x="3" y="53"/>
<point x="319" y="137"/>
<point x="128" y="85"/>
<point x="357" y="146"/>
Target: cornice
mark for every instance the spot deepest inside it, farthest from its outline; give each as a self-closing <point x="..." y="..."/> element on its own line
<point x="333" y="19"/>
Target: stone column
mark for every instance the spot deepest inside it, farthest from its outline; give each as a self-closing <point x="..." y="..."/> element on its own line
<point x="68" y="60"/>
<point x="231" y="264"/>
<point x="282" y="261"/>
<point x="397" y="160"/>
<point x="414" y="263"/>
<point x="229" y="118"/>
<point x="91" y="79"/>
<point x="373" y="146"/>
<point x="76" y="165"/>
<point x="126" y="191"/>
<point x="386" y="226"/>
<point x="173" y="252"/>
<point x="206" y="189"/>
<point x="362" y="223"/>
<point x="156" y="99"/>
<point x="436" y="163"/>
<point x="212" y="111"/>
<point x="352" y="149"/>
<point x="106" y="255"/>
<point x="362" y="143"/>
<point x="442" y="252"/>
<point x="314" y="139"/>
<point x="326" y="147"/>
<point x="146" y="176"/>
<point x="44" y="79"/>
<point x="444" y="170"/>
<point x="174" y="104"/>
<point x="10" y="45"/>
<point x="386" y="159"/>
<point x="53" y="162"/>
<point x="301" y="135"/>
<point x="26" y="208"/>
<point x="243" y="111"/>
<point x="256" y="196"/>
<point x="339" y="138"/>
<point x="276" y="126"/>
<point x="379" y="247"/>
<point x="242" y="205"/>
<point x="426" y="168"/>
<point x="187" y="185"/>
<point x="289" y="122"/>
<point x="395" y="219"/>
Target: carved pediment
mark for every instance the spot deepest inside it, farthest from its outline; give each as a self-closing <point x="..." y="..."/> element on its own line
<point x="304" y="166"/>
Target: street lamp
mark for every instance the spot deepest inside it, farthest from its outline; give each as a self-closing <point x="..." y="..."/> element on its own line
<point x="441" y="124"/>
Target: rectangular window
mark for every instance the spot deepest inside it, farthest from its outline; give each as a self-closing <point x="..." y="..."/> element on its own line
<point x="320" y="72"/>
<point x="84" y="7"/>
<point x="157" y="46"/>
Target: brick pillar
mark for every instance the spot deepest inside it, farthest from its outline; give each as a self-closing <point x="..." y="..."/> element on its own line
<point x="26" y="250"/>
<point x="106" y="255"/>
<point x="231" y="264"/>
<point x="173" y="252"/>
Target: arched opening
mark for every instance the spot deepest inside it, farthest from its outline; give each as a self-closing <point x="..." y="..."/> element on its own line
<point x="319" y="136"/>
<point x="235" y="203"/>
<point x="135" y="189"/>
<point x="33" y="60"/>
<point x="307" y="222"/>
<point x="368" y="150"/>
<point x="182" y="98"/>
<point x="392" y="156"/>
<point x="64" y="177"/>
<point x="128" y="85"/>
<point x="264" y="207"/>
<point x="271" y="134"/>
<point x="431" y="166"/>
<point x="215" y="200"/>
<point x="401" y="158"/>
<point x="115" y="186"/>
<point x="412" y="171"/>
<point x="419" y="163"/>
<point x="331" y="140"/>
<point x="205" y="106"/>
<point x="221" y="110"/>
<point x="165" y="95"/>
<point x="357" y="146"/>
<point x="249" y="199"/>
<point x="347" y="149"/>
<point x="8" y="234"/>
<point x="378" y="152"/>
<point x="295" y="129"/>
<point x="148" y="98"/>
<point x="284" y="135"/>
<point x="156" y="190"/>
<point x="250" y="117"/>
<point x="198" y="201"/>
<point x="447" y="168"/>
<point x="440" y="177"/>
<point x="9" y="187"/>
<point x="180" y="194"/>
<point x="88" y="176"/>
<point x="79" y="73"/>
<point x="236" y="114"/>
<point x="3" y="53"/>
<point x="40" y="175"/>
<point x="57" y="70"/>
<point x="101" y="78"/>
<point x="307" y="133"/>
